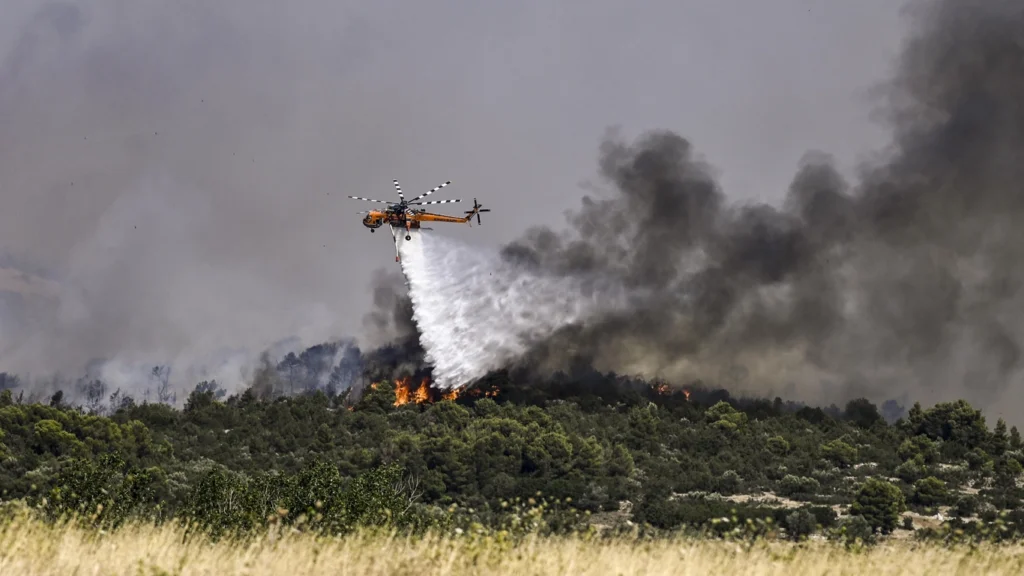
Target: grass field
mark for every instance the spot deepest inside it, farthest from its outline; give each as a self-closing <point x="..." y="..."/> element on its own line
<point x="30" y="547"/>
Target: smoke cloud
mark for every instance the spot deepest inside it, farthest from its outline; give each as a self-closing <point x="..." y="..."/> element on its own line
<point x="173" y="178"/>
<point x="176" y="209"/>
<point x="905" y="283"/>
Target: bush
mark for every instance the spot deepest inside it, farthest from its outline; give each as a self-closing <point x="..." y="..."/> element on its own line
<point x="777" y="445"/>
<point x="730" y="482"/>
<point x="800" y="524"/>
<point x="880" y="503"/>
<point x="854" y="529"/>
<point x="791" y="485"/>
<point x="930" y="492"/>
<point x="919" y="446"/>
<point x="966" y="506"/>
<point x="910" y="471"/>
<point x="839" y="453"/>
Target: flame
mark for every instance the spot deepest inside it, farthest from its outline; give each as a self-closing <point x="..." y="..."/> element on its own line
<point x="401" y="391"/>
<point x="663" y="389"/>
<point x="423" y="393"/>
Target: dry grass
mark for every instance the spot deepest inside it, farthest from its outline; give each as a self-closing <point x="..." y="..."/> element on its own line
<point x="31" y="548"/>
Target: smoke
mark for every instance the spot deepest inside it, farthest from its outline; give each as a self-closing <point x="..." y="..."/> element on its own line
<point x="905" y="284"/>
<point x="164" y="174"/>
<point x="475" y="312"/>
<point x="173" y="176"/>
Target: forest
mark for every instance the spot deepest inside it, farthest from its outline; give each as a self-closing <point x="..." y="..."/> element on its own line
<point x="586" y="452"/>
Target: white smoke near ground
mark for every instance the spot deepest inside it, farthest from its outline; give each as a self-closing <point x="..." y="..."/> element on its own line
<point x="476" y="311"/>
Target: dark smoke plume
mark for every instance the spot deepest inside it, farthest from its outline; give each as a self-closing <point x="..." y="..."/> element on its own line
<point x="906" y="283"/>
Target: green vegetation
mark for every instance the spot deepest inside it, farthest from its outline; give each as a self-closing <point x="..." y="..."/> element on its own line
<point x="556" y="458"/>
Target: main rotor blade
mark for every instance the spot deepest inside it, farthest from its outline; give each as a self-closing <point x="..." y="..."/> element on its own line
<point x="435" y="202"/>
<point x="399" y="189"/>
<point x="431" y="192"/>
<point x="370" y="199"/>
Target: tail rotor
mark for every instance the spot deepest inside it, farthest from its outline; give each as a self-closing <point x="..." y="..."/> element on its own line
<point x="477" y="209"/>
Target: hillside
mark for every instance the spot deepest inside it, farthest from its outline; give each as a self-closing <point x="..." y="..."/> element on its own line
<point x="592" y="453"/>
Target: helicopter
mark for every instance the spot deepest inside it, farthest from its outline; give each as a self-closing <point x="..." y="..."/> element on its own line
<point x="401" y="214"/>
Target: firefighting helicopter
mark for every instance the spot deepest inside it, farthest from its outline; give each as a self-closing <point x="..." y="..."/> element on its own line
<point x="401" y="214"/>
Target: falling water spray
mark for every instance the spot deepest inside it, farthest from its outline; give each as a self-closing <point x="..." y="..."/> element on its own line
<point x="476" y="311"/>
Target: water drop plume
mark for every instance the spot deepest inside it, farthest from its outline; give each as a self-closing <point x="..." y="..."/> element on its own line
<point x="477" y="312"/>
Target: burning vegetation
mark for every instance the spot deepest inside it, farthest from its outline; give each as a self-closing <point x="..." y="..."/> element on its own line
<point x="663" y="389"/>
<point x="420" y="390"/>
<point x="408" y="390"/>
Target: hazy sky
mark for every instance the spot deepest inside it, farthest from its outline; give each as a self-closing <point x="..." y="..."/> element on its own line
<point x="181" y="167"/>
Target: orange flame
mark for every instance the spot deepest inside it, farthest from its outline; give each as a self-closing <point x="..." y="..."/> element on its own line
<point x="663" y="389"/>
<point x="422" y="394"/>
<point x="407" y="392"/>
<point x="401" y="391"/>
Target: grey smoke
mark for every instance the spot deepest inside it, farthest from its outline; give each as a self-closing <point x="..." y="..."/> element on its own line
<point x="165" y="166"/>
<point x="174" y="173"/>
<point x="907" y="282"/>
<point x="147" y="159"/>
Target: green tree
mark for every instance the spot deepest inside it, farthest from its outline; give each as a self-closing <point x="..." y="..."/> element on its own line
<point x="911" y="471"/>
<point x="1007" y="470"/>
<point x="839" y="453"/>
<point x="378" y="398"/>
<point x="621" y="461"/>
<point x="966" y="506"/>
<point x="383" y="496"/>
<point x="216" y="504"/>
<point x="777" y="445"/>
<point x="880" y="503"/>
<point x="930" y="491"/>
<point x="863" y="413"/>
<point x="52" y="437"/>
<point x="956" y="422"/>
<point x="1000" y="439"/>
<point x="316" y="493"/>
<point x="977" y="459"/>
<point x="724" y="417"/>
<point x="106" y="490"/>
<point x="919" y="446"/>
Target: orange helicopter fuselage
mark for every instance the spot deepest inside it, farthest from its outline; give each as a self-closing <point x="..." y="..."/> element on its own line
<point x="377" y="218"/>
